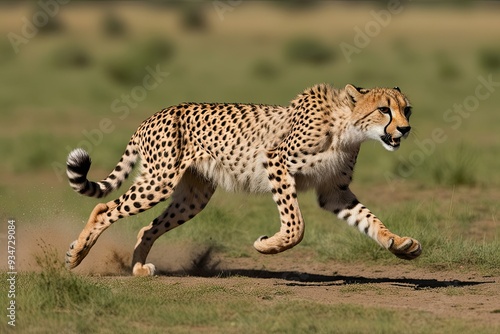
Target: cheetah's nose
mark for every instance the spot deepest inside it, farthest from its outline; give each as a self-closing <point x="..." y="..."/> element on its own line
<point x="404" y="129"/>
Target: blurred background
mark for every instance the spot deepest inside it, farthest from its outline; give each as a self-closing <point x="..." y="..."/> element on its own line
<point x="87" y="73"/>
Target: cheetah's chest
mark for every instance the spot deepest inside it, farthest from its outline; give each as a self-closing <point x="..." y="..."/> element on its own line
<point x="320" y="169"/>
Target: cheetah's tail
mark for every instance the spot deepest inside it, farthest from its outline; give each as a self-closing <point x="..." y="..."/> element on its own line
<point x="78" y="165"/>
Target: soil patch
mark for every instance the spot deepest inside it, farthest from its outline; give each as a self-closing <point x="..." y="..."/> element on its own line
<point x="469" y="296"/>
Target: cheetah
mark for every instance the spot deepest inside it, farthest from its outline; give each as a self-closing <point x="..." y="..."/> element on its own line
<point x="187" y="150"/>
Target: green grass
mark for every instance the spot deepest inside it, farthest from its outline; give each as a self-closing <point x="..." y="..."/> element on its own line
<point x="455" y="167"/>
<point x="55" y="298"/>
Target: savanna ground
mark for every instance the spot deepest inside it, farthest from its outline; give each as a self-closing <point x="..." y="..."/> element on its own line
<point x="443" y="190"/>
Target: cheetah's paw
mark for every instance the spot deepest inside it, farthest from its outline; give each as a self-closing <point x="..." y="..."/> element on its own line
<point x="147" y="269"/>
<point x="75" y="255"/>
<point x="267" y="245"/>
<point x="406" y="248"/>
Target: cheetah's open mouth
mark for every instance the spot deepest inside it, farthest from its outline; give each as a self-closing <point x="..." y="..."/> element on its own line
<point x="389" y="140"/>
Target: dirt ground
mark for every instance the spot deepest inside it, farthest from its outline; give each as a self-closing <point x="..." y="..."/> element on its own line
<point x="457" y="294"/>
<point x="469" y="296"/>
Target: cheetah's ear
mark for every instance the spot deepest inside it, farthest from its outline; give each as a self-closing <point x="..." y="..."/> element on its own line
<point x="354" y="92"/>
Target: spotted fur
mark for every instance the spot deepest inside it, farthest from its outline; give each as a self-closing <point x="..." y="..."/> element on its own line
<point x="186" y="151"/>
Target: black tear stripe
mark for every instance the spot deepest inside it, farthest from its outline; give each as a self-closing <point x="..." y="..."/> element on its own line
<point x="390" y="120"/>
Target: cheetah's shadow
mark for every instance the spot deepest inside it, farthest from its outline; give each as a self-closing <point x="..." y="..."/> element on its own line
<point x="295" y="278"/>
<point x="205" y="266"/>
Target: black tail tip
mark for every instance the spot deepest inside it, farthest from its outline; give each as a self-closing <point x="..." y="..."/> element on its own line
<point x="78" y="161"/>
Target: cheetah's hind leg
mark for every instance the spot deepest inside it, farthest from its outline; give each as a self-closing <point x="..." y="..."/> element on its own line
<point x="189" y="198"/>
<point x="104" y="215"/>
<point x="79" y="248"/>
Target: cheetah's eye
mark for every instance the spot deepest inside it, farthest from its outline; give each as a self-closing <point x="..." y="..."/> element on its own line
<point x="407" y="112"/>
<point x="384" y="110"/>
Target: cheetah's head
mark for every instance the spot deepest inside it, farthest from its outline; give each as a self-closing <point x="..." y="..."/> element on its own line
<point x="381" y="114"/>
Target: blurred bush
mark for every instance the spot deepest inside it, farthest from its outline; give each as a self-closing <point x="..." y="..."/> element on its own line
<point x="446" y="68"/>
<point x="113" y="25"/>
<point x="129" y="66"/>
<point x="308" y="50"/>
<point x="53" y="23"/>
<point x="193" y="18"/>
<point x="489" y="59"/>
<point x="70" y="55"/>
<point x="265" y="69"/>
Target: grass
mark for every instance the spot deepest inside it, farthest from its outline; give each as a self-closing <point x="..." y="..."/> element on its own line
<point x="54" y="297"/>
<point x="454" y="168"/>
<point x="46" y="298"/>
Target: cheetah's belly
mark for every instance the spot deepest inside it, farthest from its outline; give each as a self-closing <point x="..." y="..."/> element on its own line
<point x="248" y="175"/>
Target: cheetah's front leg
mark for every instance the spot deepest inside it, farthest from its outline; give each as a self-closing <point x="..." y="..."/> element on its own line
<point x="344" y="204"/>
<point x="292" y="223"/>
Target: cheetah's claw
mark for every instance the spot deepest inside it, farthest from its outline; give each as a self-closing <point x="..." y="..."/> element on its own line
<point x="75" y="256"/>
<point x="406" y="248"/>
